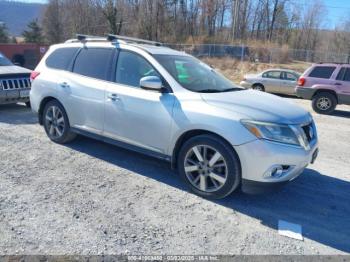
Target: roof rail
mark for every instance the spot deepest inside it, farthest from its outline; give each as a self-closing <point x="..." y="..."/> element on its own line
<point x="112" y="38"/>
<point x="87" y="38"/>
<point x="338" y="63"/>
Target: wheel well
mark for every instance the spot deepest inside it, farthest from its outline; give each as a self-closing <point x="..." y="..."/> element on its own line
<point x="326" y="91"/>
<point x="42" y="106"/>
<point x="258" y="84"/>
<point x="185" y="137"/>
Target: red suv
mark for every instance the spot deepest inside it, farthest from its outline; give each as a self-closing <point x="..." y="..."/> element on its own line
<point x="326" y="85"/>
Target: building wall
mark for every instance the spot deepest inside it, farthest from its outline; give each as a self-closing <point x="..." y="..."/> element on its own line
<point x="26" y="55"/>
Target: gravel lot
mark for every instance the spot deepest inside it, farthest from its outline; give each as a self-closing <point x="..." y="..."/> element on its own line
<point x="92" y="198"/>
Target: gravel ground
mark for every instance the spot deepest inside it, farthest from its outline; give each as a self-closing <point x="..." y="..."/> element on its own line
<point x="92" y="198"/>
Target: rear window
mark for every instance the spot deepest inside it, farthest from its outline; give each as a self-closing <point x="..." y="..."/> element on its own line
<point x="61" y="58"/>
<point x="94" y="62"/>
<point x="322" y="71"/>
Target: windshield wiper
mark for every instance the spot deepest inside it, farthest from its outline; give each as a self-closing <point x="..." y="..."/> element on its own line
<point x="219" y="91"/>
<point x="232" y="89"/>
<point x="209" y="91"/>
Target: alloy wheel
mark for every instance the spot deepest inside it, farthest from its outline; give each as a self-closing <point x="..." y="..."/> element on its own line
<point x="324" y="103"/>
<point x="54" y="121"/>
<point x="205" y="168"/>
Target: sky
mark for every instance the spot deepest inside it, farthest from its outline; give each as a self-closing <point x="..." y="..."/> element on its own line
<point x="336" y="10"/>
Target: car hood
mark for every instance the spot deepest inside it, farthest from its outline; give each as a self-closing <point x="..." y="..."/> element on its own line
<point x="6" y="70"/>
<point x="259" y="106"/>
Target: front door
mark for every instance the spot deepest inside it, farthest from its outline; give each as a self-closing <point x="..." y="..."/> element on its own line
<point x="288" y="83"/>
<point x="272" y="81"/>
<point x="133" y="115"/>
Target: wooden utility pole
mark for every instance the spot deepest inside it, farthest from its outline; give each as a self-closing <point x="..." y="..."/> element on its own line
<point x="235" y="19"/>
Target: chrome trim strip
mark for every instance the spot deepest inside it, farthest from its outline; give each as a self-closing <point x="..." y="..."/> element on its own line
<point x="15" y="83"/>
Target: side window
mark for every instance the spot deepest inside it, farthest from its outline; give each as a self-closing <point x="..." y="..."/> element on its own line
<point x="289" y="76"/>
<point x="347" y="75"/>
<point x="131" y="68"/>
<point x="61" y="58"/>
<point x="344" y="74"/>
<point x="341" y="74"/>
<point x="273" y="74"/>
<point x="94" y="62"/>
<point x="322" y="72"/>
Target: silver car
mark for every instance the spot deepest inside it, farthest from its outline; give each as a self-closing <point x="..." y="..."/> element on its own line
<point x="167" y="104"/>
<point x="279" y="81"/>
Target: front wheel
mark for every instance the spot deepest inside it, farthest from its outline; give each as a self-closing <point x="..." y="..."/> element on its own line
<point x="209" y="166"/>
<point x="324" y="103"/>
<point x="259" y="87"/>
<point x="56" y="123"/>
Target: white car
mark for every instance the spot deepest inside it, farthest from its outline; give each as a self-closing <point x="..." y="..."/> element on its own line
<point x="279" y="81"/>
<point x="152" y="99"/>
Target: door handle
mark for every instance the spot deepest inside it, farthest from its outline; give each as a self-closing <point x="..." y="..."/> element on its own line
<point x="113" y="97"/>
<point x="338" y="84"/>
<point x="64" y="85"/>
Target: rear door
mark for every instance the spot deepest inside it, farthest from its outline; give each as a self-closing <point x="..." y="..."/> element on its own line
<point x="288" y="83"/>
<point x="272" y="81"/>
<point x="83" y="89"/>
<point x="342" y="85"/>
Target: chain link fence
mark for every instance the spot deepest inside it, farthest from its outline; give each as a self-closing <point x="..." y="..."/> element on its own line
<point x="261" y="54"/>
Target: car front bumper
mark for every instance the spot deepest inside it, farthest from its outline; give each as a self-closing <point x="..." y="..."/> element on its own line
<point x="14" y="96"/>
<point x="260" y="159"/>
<point x="245" y="84"/>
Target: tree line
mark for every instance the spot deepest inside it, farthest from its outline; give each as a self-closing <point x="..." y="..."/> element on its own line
<point x="274" y="22"/>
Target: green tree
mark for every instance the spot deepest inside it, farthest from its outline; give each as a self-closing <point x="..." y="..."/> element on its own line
<point x="4" y="37"/>
<point x="34" y="33"/>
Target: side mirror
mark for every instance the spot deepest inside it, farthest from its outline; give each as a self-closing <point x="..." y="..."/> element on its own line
<point x="151" y="83"/>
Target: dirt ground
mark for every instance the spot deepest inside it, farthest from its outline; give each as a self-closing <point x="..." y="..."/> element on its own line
<point x="92" y="198"/>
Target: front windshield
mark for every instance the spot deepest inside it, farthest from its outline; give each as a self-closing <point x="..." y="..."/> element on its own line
<point x="194" y="75"/>
<point x="4" y="61"/>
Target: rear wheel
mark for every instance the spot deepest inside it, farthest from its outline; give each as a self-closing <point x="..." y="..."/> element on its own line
<point x="259" y="87"/>
<point x="56" y="123"/>
<point x="324" y="103"/>
<point x="209" y="166"/>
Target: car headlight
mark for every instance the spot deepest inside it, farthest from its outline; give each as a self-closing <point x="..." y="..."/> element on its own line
<point x="275" y="132"/>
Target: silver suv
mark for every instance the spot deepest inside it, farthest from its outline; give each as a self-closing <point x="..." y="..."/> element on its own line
<point x="152" y="99"/>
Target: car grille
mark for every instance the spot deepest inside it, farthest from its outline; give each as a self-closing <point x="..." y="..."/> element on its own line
<point x="309" y="131"/>
<point x="15" y="83"/>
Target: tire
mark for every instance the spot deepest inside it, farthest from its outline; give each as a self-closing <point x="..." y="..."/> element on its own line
<point x="28" y="104"/>
<point x="324" y="103"/>
<point x="212" y="180"/>
<point x="56" y="124"/>
<point x="259" y="87"/>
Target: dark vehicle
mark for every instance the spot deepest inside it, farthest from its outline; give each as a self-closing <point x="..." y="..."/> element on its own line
<point x="14" y="82"/>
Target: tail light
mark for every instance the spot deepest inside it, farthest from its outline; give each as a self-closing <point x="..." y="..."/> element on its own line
<point x="34" y="75"/>
<point x="301" y="81"/>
